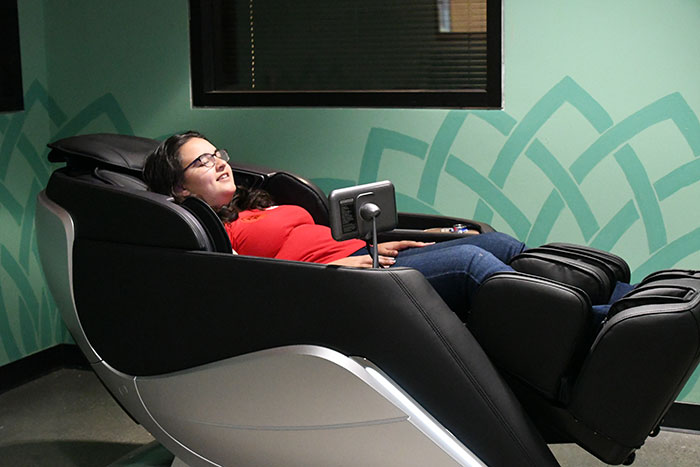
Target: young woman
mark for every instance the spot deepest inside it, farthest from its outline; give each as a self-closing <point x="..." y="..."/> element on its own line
<point x="189" y="165"/>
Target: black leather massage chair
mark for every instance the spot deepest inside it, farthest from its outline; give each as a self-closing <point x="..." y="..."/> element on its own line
<point x="235" y="360"/>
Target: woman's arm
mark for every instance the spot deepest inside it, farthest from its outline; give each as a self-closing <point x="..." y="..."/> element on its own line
<point x="393" y="248"/>
<point x="364" y="261"/>
<point x="386" y="250"/>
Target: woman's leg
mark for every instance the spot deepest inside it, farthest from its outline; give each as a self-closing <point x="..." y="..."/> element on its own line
<point x="502" y="246"/>
<point x="621" y="289"/>
<point x="455" y="272"/>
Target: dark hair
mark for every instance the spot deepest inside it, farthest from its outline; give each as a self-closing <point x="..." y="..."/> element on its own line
<point x="244" y="199"/>
<point x="163" y="173"/>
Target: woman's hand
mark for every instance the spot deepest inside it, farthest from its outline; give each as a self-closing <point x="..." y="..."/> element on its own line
<point x="393" y="248"/>
<point x="386" y="251"/>
<point x="364" y="261"/>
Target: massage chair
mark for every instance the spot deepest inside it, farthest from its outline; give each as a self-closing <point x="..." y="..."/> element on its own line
<point x="235" y="360"/>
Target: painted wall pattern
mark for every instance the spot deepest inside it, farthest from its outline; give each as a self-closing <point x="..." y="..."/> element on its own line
<point x="520" y="140"/>
<point x="29" y="320"/>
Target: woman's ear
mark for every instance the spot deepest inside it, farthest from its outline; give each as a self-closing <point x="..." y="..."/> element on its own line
<point x="181" y="191"/>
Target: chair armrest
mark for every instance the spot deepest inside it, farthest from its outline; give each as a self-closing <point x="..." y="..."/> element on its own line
<point x="417" y="221"/>
<point x="420" y="235"/>
<point x="413" y="226"/>
<point x="531" y="327"/>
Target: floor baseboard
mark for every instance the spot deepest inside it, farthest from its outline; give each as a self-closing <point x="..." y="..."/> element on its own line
<point x="683" y="416"/>
<point x="39" y="364"/>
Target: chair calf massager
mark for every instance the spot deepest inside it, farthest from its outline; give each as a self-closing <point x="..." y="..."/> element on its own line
<point x="605" y="386"/>
<point x="229" y="359"/>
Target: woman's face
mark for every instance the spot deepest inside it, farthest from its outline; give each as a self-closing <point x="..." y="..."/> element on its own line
<point x="215" y="185"/>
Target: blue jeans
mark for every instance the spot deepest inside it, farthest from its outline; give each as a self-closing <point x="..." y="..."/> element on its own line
<point x="600" y="312"/>
<point x="456" y="268"/>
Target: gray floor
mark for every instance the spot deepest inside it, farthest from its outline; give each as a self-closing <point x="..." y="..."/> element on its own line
<point x="67" y="418"/>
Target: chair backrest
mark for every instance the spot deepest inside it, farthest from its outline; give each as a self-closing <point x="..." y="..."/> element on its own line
<point x="210" y="221"/>
<point x="119" y="153"/>
<point x="126" y="216"/>
<point x="118" y="160"/>
<point x="285" y="188"/>
<point x="119" y="179"/>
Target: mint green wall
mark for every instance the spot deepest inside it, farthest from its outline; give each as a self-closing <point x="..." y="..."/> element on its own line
<point x="598" y="142"/>
<point x="28" y="318"/>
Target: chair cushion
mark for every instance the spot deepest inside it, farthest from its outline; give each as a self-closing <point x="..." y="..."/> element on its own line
<point x="124" y="152"/>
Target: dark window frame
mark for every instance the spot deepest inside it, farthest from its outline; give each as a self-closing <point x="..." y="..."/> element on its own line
<point x="11" y="94"/>
<point x="202" y="63"/>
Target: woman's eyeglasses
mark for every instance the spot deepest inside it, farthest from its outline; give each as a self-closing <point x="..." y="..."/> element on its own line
<point x="207" y="160"/>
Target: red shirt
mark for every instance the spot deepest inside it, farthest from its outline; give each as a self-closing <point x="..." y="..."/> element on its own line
<point x="286" y="232"/>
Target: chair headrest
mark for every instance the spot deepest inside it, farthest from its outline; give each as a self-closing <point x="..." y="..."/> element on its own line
<point x="122" y="152"/>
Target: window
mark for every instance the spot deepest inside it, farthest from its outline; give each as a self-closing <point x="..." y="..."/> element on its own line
<point x="349" y="53"/>
<point x="10" y="65"/>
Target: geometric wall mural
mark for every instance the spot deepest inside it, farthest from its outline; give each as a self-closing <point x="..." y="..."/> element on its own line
<point x="29" y="320"/>
<point x="521" y="141"/>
